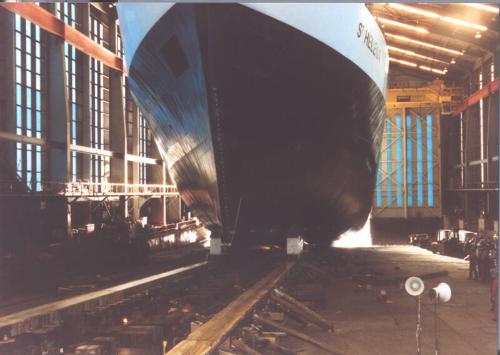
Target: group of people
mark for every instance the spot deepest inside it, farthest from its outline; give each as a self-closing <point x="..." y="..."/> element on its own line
<point x="481" y="250"/>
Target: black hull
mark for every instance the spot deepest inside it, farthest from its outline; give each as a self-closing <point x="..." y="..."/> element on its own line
<point x="285" y="130"/>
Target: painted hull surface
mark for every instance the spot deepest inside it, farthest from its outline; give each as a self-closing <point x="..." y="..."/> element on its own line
<point x="266" y="123"/>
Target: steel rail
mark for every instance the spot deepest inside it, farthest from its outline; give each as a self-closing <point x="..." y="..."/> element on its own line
<point x="89" y="298"/>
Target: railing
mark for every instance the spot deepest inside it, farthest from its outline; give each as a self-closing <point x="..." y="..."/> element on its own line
<point x="95" y="188"/>
<point x="88" y="189"/>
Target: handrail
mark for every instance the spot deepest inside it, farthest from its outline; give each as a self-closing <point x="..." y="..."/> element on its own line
<point x="84" y="188"/>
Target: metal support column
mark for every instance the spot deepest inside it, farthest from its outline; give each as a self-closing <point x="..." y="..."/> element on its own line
<point x="7" y="88"/>
<point x="118" y="134"/>
<point x="85" y="65"/>
<point x="57" y="112"/>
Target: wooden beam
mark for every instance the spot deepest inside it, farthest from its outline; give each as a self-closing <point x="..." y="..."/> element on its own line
<point x="478" y="95"/>
<point x="50" y="23"/>
<point x="144" y="160"/>
<point x="210" y="335"/>
<point x="22" y="139"/>
<point x="108" y="153"/>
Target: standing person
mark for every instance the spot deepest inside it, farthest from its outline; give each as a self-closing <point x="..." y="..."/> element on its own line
<point x="483" y="259"/>
<point x="470" y="251"/>
<point x="494" y="292"/>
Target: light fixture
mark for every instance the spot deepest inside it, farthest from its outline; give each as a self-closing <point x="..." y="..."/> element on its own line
<point x="404" y="62"/>
<point x="385" y="21"/>
<point x="453" y="61"/>
<point x="437" y="71"/>
<point x="477" y="35"/>
<point x="484" y="7"/>
<point x="433" y="15"/>
<point x="125" y="321"/>
<point x="414" y="10"/>
<point x="414" y="286"/>
<point x="464" y="23"/>
<point x="416" y="66"/>
<point x="423" y="44"/>
<point x="413" y="54"/>
<point x="440" y="293"/>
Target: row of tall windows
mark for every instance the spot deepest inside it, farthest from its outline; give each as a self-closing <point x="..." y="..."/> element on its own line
<point x="30" y="107"/>
<point x="418" y="147"/>
<point x="30" y="110"/>
<point x="145" y="142"/>
<point x="145" y="137"/>
<point x="97" y="105"/>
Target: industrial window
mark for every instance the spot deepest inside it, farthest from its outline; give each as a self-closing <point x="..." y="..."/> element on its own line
<point x="409" y="160"/>
<point x="399" y="162"/>
<point x="130" y="106"/>
<point x="420" y="192"/>
<point x="130" y="109"/>
<point x="388" y="180"/>
<point x="29" y="98"/>
<point x="407" y="183"/>
<point x="131" y="116"/>
<point x="144" y="147"/>
<point x="390" y="170"/>
<point x="120" y="52"/>
<point x="430" y="163"/>
<point x="99" y="127"/>
<point x="67" y="13"/>
<point x="119" y="45"/>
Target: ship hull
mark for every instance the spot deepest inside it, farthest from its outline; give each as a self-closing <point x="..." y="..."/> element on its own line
<point x="264" y="128"/>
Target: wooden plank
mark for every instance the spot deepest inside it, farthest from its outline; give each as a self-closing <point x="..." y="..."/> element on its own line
<point x="210" y="335"/>
<point x="50" y="23"/>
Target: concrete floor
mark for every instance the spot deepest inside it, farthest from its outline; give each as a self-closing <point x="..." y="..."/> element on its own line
<point x="364" y="325"/>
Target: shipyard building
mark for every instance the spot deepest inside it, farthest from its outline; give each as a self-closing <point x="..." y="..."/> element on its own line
<point x="249" y="178"/>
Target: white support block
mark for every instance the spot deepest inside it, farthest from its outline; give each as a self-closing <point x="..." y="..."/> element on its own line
<point x="294" y="246"/>
<point x="216" y="246"/>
